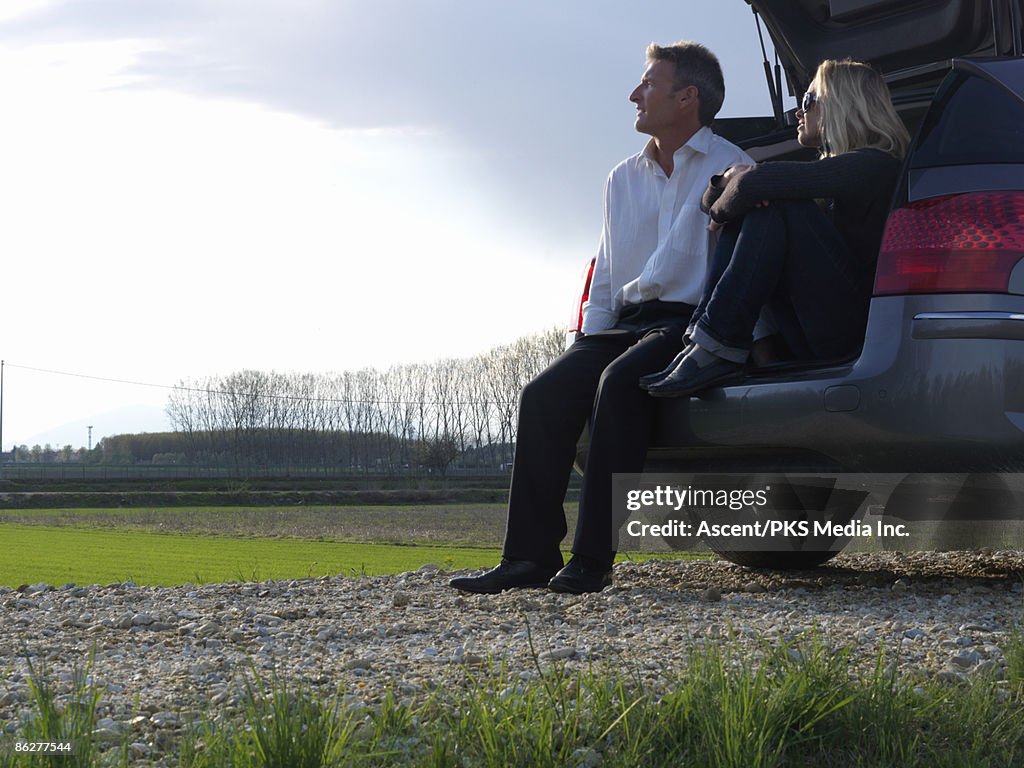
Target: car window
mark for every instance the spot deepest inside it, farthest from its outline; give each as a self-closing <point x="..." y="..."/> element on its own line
<point x="973" y="121"/>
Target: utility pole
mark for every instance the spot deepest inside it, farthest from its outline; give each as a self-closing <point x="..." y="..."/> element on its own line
<point x="90" y="437"/>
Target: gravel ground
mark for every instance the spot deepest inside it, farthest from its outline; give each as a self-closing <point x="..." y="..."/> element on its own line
<point x="177" y="651"/>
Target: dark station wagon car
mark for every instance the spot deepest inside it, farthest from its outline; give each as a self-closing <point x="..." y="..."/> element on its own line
<point x="937" y="391"/>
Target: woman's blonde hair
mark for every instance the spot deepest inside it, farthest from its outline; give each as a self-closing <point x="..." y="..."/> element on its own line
<point x="858" y="110"/>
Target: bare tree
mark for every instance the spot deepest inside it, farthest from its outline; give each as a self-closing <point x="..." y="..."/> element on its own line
<point x="479" y="405"/>
<point x="431" y="413"/>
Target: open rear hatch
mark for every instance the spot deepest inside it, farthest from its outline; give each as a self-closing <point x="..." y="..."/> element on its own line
<point x="912" y="42"/>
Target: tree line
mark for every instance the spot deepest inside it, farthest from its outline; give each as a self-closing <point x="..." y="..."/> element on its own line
<point x="48" y="454"/>
<point x="460" y="411"/>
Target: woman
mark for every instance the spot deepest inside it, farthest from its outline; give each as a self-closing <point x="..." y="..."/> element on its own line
<point x="799" y="239"/>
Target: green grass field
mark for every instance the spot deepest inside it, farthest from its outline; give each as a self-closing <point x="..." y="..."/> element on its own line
<point x="178" y="545"/>
<point x="168" y="546"/>
<point x="59" y="555"/>
<point x="474" y="525"/>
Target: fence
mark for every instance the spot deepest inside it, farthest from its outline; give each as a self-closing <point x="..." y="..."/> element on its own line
<point x="71" y="472"/>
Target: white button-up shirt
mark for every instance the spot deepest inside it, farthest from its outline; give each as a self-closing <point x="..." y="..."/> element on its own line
<point x="655" y="243"/>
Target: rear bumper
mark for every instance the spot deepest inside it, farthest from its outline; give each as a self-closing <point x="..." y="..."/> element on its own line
<point x="939" y="386"/>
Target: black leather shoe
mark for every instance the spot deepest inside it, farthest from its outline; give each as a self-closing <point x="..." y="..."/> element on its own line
<point x="688" y="378"/>
<point x="508" y="574"/>
<point x="579" y="577"/>
<point x="653" y="378"/>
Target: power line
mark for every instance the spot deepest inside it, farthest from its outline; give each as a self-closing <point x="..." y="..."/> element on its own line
<point x="238" y="394"/>
<point x="93" y="378"/>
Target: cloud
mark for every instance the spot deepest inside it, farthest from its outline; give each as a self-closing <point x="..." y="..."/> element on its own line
<point x="532" y="95"/>
<point x="469" y="67"/>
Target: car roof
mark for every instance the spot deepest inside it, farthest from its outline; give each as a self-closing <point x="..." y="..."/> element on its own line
<point x="893" y="35"/>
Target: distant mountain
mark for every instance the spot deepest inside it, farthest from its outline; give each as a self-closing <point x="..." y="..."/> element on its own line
<point x="131" y="419"/>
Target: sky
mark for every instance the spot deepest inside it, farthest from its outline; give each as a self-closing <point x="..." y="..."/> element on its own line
<point x="191" y="188"/>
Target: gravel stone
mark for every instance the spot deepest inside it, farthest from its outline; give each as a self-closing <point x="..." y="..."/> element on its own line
<point x="967" y="659"/>
<point x="901" y="585"/>
<point x="106" y="735"/>
<point x="164" y="719"/>
<point x="557" y="653"/>
<point x="165" y="653"/>
<point x="208" y="629"/>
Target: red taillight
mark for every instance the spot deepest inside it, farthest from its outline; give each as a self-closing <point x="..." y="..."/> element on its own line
<point x="576" y="320"/>
<point x="954" y="244"/>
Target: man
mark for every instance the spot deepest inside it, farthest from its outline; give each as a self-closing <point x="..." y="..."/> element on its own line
<point x="648" y="277"/>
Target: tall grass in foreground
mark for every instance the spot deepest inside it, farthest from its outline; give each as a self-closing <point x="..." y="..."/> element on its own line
<point x="798" y="705"/>
<point x="283" y="726"/>
<point x="1014" y="652"/>
<point x="71" y="722"/>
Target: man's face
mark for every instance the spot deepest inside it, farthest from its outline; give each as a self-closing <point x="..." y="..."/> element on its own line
<point x="657" y="101"/>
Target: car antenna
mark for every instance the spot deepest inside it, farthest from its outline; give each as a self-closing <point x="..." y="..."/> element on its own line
<point x="774" y="82"/>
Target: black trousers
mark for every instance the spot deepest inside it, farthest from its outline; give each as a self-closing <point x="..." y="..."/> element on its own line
<point x="595" y="379"/>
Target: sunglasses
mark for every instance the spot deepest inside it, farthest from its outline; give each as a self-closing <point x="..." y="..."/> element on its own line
<point x="809" y="100"/>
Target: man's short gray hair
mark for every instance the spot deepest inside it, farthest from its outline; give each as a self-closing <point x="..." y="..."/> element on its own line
<point x="697" y="66"/>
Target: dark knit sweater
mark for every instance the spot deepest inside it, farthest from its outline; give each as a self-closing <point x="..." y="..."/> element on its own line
<point x="857" y="187"/>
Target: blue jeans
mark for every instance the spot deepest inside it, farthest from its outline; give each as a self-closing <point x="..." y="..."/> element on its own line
<point x="789" y="258"/>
